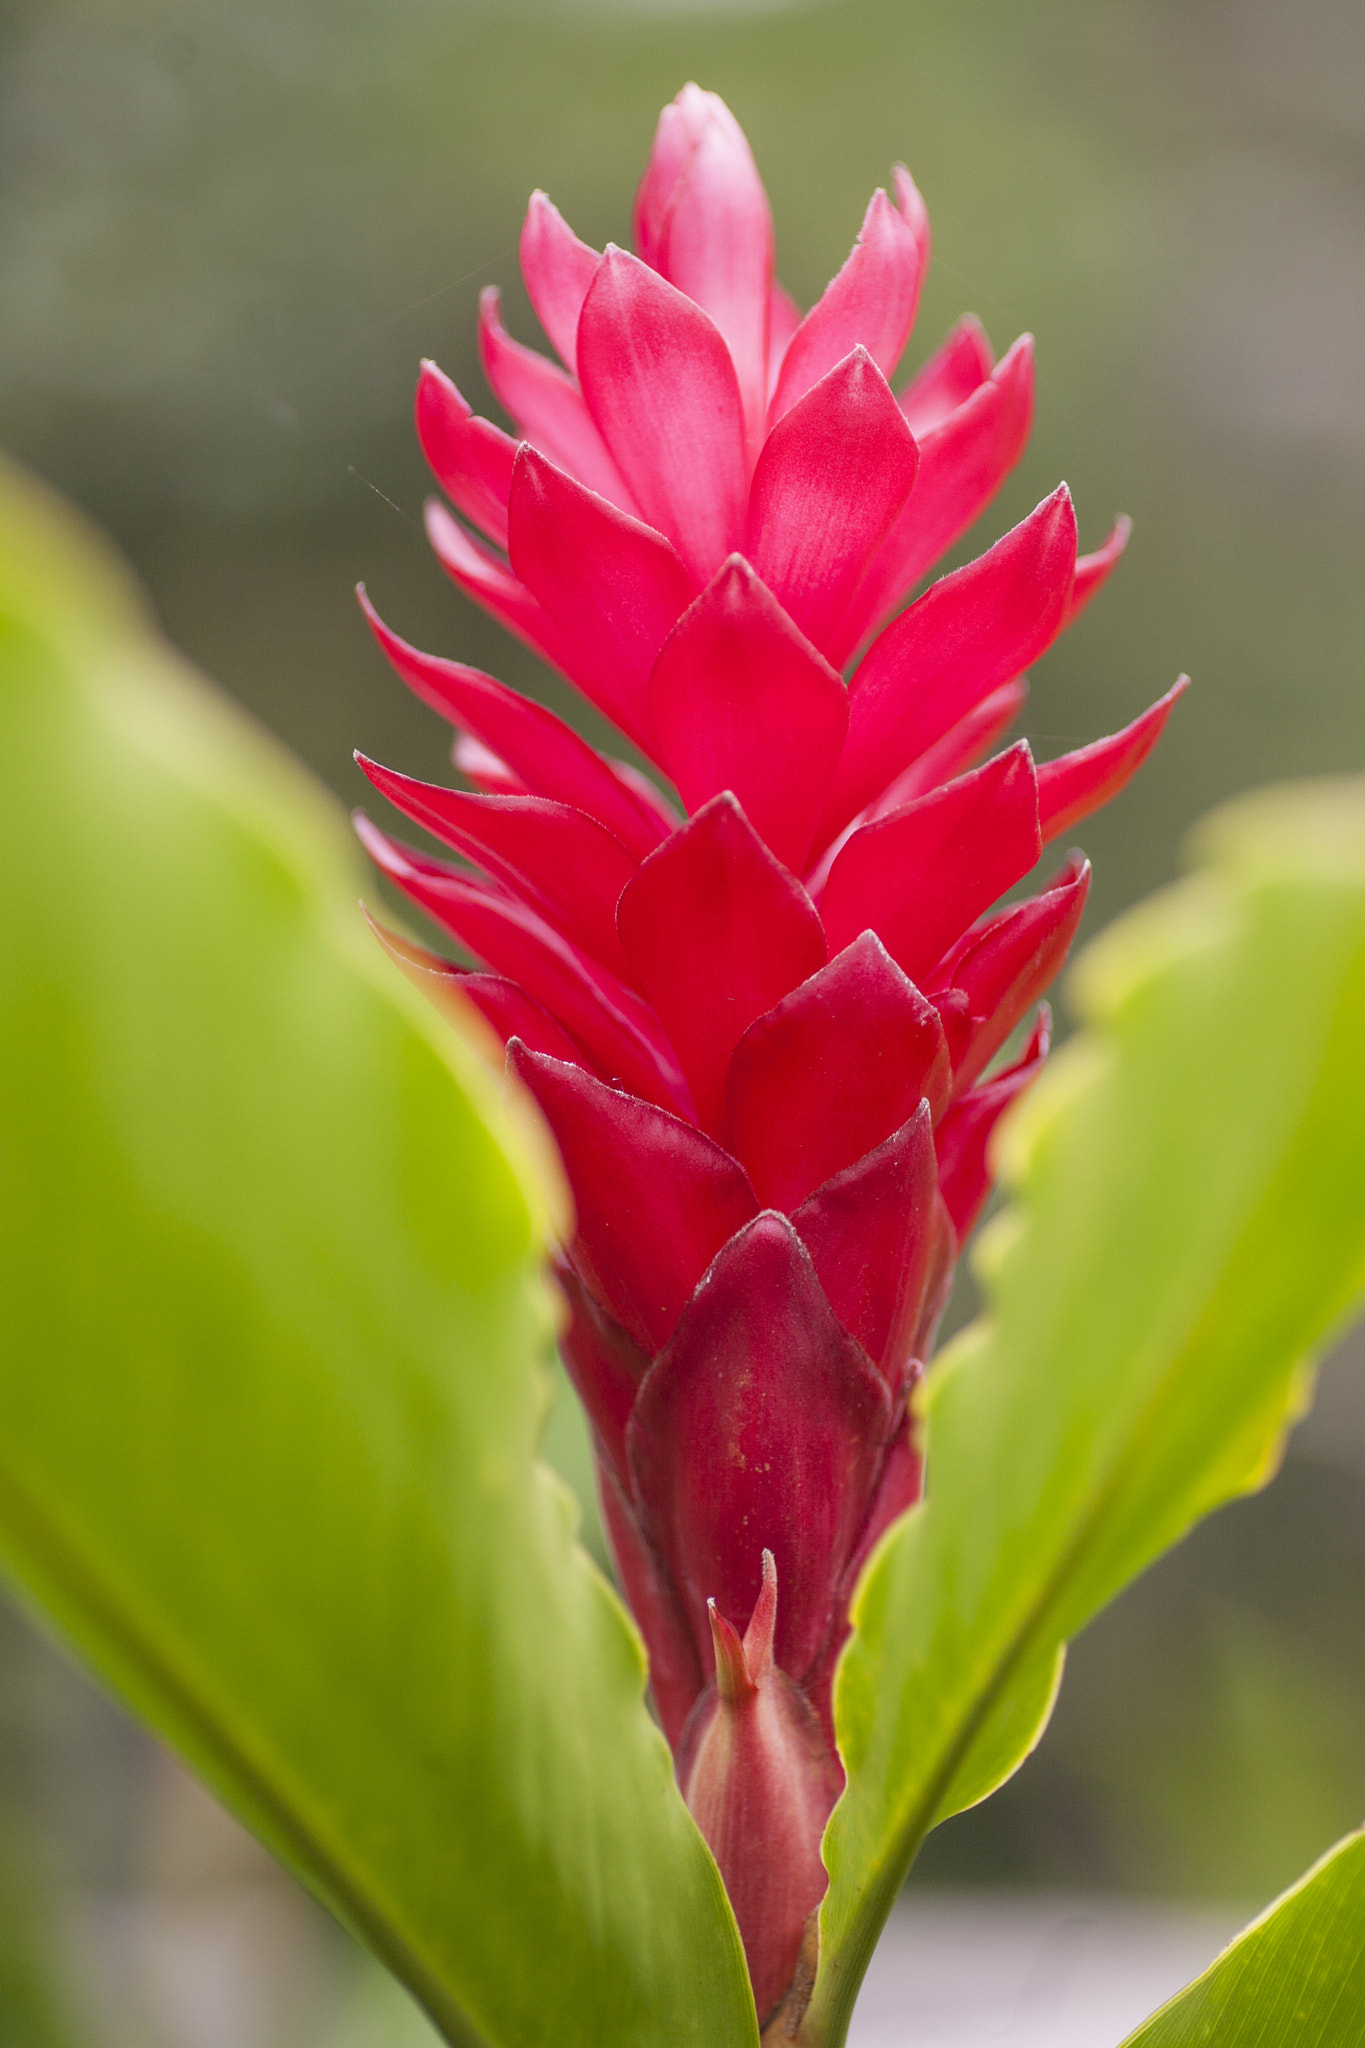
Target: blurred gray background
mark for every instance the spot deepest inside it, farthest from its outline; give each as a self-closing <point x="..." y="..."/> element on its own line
<point x="228" y="231"/>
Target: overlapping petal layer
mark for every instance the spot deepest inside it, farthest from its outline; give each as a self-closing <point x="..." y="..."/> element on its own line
<point x="762" y="1029"/>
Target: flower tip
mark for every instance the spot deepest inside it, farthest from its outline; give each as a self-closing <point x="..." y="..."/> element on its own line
<point x="697" y="105"/>
<point x="434" y="387"/>
<point x="877" y="205"/>
<point x="911" y="207"/>
<point x="374" y="774"/>
<point x="385" y="635"/>
<point x="758" y="1636"/>
<point x="1017" y="362"/>
<point x="376" y="844"/>
<point x="734" y="1682"/>
<point x="390" y="941"/>
<point x="437" y="520"/>
<point x="1073" y="876"/>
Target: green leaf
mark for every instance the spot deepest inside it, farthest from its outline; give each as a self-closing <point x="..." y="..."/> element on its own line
<point x="1188" y="1227"/>
<point x="1294" y="1979"/>
<point x="275" y="1361"/>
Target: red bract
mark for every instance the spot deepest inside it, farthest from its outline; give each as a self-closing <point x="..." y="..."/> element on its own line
<point x="760" y="1025"/>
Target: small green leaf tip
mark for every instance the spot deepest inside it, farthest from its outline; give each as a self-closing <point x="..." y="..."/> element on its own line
<point x="1186" y="1230"/>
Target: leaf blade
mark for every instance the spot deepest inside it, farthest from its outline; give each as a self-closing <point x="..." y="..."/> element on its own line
<point x="270" y="1409"/>
<point x="1188" y="1228"/>
<point x="1296" y="1975"/>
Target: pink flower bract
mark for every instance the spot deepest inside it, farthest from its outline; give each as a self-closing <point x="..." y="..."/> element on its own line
<point x="761" y="1023"/>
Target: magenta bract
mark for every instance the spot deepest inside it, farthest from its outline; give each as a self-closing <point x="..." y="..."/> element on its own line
<point x="760" y="1023"/>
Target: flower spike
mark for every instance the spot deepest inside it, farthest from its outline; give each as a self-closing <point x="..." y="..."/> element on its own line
<point x="764" y="1028"/>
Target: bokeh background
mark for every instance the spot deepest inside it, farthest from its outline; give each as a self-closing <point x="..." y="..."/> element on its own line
<point x="228" y="231"/>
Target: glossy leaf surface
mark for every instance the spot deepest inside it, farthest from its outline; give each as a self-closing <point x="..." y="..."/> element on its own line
<point x="1188" y="1230"/>
<point x="1294" y="1979"/>
<point x="275" y="1373"/>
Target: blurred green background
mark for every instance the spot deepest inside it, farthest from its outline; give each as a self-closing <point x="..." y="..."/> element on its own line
<point x="228" y="231"/>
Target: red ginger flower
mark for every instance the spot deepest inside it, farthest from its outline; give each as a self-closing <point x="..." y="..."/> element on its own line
<point x="760" y="1034"/>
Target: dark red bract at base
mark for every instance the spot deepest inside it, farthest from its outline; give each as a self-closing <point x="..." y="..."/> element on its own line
<point x="760" y="1020"/>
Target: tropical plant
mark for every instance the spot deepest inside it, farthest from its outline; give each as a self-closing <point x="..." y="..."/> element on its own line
<point x="276" y="1238"/>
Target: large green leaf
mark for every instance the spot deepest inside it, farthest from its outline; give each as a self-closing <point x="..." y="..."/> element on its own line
<point x="1294" y="1979"/>
<point x="274" y="1362"/>
<point x="1188" y="1225"/>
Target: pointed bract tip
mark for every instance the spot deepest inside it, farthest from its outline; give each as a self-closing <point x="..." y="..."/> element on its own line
<point x="414" y="959"/>
<point x="878" y="204"/>
<point x="760" y="1786"/>
<point x="386" y="853"/>
<point x="734" y="1681"/>
<point x="425" y="970"/>
<point x="758" y="1637"/>
<point x="910" y="204"/>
